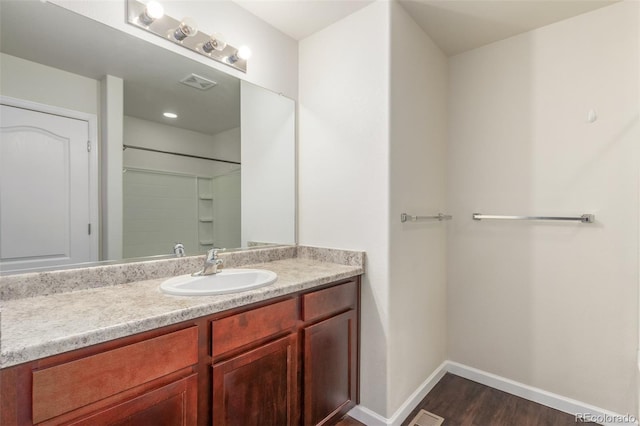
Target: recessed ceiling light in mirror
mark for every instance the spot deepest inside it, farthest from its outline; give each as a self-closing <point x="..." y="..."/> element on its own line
<point x="170" y="115"/>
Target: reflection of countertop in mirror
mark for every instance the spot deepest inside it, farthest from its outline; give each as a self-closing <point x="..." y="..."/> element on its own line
<point x="40" y="326"/>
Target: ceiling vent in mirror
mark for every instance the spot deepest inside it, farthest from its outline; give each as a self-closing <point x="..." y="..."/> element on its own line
<point x="199" y="82"/>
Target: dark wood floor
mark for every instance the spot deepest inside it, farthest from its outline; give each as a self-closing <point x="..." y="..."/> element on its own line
<point x="462" y="402"/>
<point x="349" y="421"/>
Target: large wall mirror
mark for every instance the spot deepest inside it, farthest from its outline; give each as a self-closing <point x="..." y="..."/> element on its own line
<point x="221" y="173"/>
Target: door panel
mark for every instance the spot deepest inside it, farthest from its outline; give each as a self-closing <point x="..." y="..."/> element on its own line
<point x="259" y="387"/>
<point x="44" y="190"/>
<point x="330" y="368"/>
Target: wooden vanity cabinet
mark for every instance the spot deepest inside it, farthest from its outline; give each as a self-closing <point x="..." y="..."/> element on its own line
<point x="290" y="361"/>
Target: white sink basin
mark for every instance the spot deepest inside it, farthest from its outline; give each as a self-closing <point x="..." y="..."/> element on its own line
<point x="225" y="281"/>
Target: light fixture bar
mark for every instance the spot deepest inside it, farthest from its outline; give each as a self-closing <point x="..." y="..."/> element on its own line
<point x="166" y="27"/>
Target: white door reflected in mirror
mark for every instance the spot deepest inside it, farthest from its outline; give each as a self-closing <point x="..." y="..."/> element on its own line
<point x="45" y="197"/>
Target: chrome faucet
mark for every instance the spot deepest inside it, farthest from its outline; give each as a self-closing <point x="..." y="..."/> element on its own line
<point x="178" y="250"/>
<point x="211" y="263"/>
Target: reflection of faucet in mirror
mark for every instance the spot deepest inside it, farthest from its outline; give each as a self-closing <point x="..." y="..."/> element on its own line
<point x="211" y="263"/>
<point x="178" y="250"/>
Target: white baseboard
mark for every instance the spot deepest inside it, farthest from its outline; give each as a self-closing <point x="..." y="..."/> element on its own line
<point x="370" y="418"/>
<point x="558" y="402"/>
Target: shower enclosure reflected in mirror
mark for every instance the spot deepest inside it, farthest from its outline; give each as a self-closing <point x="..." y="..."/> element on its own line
<point x="221" y="173"/>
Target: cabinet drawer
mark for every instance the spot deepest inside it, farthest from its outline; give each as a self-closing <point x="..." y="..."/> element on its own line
<point x="65" y="387"/>
<point x="329" y="301"/>
<point x="246" y="327"/>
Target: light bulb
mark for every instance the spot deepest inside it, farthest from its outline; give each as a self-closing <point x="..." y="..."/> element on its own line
<point x="216" y="42"/>
<point x="244" y="53"/>
<point x="152" y="11"/>
<point x="187" y="28"/>
<point x="170" y="114"/>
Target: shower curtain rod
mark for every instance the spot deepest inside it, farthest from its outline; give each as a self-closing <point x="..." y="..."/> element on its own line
<point x="177" y="153"/>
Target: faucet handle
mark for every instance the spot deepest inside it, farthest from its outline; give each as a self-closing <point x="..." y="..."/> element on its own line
<point x="212" y="253"/>
<point x="178" y="250"/>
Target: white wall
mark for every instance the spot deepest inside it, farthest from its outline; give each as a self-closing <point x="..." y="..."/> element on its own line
<point x="268" y="178"/>
<point x="344" y="167"/>
<point x="34" y="82"/>
<point x="551" y="305"/>
<point x="111" y="140"/>
<point x="417" y="294"/>
<point x="227" y="145"/>
<point x="275" y="55"/>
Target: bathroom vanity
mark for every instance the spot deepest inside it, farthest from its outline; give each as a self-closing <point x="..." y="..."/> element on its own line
<point x="286" y="354"/>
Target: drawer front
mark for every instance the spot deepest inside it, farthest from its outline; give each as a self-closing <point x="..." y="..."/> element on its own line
<point x="329" y="301"/>
<point x="65" y="387"/>
<point x="241" y="329"/>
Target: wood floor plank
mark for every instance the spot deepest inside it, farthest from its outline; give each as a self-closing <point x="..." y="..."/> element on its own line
<point x="349" y="421"/>
<point x="463" y="402"/>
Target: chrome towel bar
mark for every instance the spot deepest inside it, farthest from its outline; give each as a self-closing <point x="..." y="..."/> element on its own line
<point x="408" y="218"/>
<point x="585" y="218"/>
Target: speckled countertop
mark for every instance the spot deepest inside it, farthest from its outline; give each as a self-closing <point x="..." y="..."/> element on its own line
<point x="40" y="326"/>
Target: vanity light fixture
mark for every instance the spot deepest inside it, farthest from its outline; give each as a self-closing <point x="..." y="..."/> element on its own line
<point x="149" y="16"/>
<point x="151" y="12"/>
<point x="170" y="114"/>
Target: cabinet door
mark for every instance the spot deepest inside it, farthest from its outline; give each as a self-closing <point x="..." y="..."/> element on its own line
<point x="259" y="387"/>
<point x="330" y="368"/>
<point x="175" y="404"/>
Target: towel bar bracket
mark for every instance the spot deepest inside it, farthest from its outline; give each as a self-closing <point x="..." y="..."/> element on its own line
<point x="440" y="217"/>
